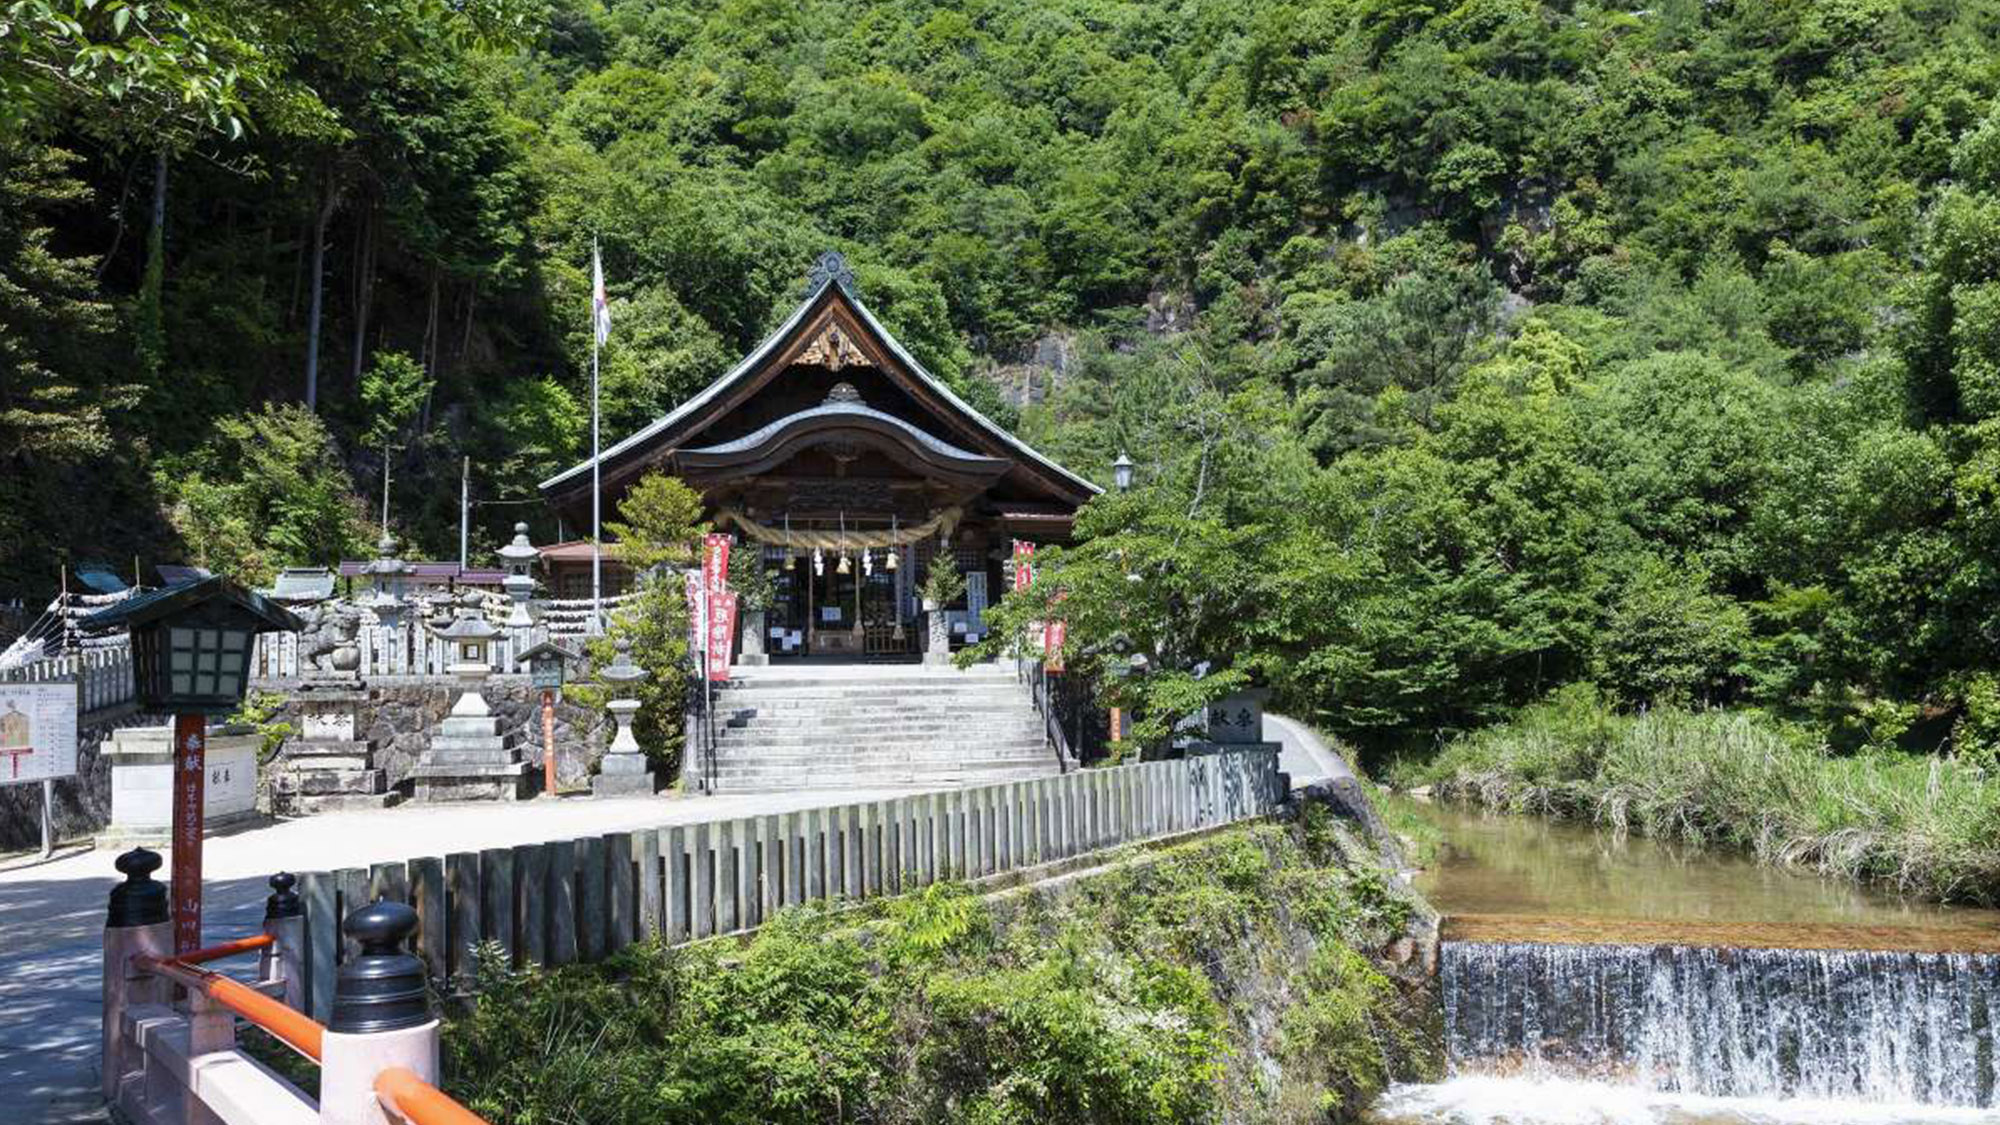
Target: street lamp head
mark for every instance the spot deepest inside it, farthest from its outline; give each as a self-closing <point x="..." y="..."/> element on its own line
<point x="191" y="643"/>
<point x="1121" y="472"/>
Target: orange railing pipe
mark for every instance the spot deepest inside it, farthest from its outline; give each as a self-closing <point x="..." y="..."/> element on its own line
<point x="299" y="1031"/>
<point x="419" y="1102"/>
<point x="226" y="949"/>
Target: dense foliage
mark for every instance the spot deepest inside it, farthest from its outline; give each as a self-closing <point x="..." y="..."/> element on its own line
<point x="1217" y="981"/>
<point x="1467" y="349"/>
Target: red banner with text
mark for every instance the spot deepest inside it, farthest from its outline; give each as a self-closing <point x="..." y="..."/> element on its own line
<point x="721" y="633"/>
<point x="715" y="563"/>
<point x="1024" y="570"/>
<point x="1053" y="635"/>
<point x="697" y="597"/>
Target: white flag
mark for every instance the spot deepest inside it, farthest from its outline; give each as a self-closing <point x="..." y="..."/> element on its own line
<point x="600" y="306"/>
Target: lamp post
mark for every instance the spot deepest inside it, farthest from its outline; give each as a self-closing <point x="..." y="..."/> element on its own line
<point x="623" y="770"/>
<point x="519" y="557"/>
<point x="1121" y="472"/>
<point x="191" y="649"/>
<point x="546" y="663"/>
<point x="384" y="574"/>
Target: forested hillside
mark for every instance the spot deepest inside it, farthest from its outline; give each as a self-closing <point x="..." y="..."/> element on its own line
<point x="1466" y="349"/>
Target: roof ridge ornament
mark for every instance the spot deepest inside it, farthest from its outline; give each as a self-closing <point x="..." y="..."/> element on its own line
<point x="831" y="265"/>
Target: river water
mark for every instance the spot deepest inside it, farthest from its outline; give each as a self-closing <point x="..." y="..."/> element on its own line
<point x="1593" y="980"/>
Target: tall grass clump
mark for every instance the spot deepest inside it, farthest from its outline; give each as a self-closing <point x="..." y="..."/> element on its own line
<point x="1925" y="825"/>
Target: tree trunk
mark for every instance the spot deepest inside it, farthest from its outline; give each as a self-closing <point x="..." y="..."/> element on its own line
<point x="364" y="288"/>
<point x="152" y="331"/>
<point x="318" y="293"/>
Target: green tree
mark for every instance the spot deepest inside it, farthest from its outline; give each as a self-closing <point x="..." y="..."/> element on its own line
<point x="266" y="492"/>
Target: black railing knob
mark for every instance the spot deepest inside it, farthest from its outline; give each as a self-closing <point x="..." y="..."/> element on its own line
<point x="139" y="900"/>
<point x="384" y="988"/>
<point x="283" y="903"/>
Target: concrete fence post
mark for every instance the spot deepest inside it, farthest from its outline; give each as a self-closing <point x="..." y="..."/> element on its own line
<point x="382" y="1017"/>
<point x="285" y="958"/>
<point x="136" y="925"/>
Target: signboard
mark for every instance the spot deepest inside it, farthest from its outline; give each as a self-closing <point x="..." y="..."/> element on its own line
<point x="1053" y="635"/>
<point x="37" y="732"/>
<point x="721" y="634"/>
<point x="546" y="672"/>
<point x="190" y="757"/>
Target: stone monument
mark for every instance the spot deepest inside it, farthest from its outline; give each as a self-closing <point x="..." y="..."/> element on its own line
<point x="328" y="766"/>
<point x="468" y="758"/>
<point x="141" y="760"/>
<point x="623" y="772"/>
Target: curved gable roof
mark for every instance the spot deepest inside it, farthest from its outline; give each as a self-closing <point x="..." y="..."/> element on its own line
<point x="830" y="284"/>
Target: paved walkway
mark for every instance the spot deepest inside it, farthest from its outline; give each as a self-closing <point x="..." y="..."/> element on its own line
<point x="52" y="913"/>
<point x="1305" y="755"/>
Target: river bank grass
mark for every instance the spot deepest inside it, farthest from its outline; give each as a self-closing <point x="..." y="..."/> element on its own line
<point x="1924" y="825"/>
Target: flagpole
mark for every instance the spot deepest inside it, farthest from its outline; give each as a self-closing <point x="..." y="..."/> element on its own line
<point x="596" y="490"/>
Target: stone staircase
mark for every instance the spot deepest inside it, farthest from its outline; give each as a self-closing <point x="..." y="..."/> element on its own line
<point x="787" y="728"/>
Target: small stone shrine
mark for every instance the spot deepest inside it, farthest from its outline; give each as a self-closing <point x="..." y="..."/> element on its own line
<point x="329" y="767"/>
<point x="469" y="759"/>
<point x="623" y="771"/>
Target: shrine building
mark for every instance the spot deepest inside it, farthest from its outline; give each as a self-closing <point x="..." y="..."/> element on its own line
<point x="854" y="470"/>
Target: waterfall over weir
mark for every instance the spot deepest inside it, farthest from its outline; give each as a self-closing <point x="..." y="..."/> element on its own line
<point x="1884" y="1027"/>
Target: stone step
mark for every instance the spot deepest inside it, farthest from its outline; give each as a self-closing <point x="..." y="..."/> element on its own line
<point x="291" y="764"/>
<point x="795" y="742"/>
<point x="914" y="784"/>
<point x="871" y="759"/>
<point x="322" y="782"/>
<point x="327" y="748"/>
<point x="901" y="691"/>
<point x="970" y="724"/>
<point x="310" y="804"/>
<point x="1010" y="728"/>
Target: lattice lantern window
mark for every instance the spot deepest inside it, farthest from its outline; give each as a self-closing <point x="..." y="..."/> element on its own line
<point x="192" y="644"/>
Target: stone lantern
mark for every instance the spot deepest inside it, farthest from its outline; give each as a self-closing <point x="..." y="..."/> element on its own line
<point x="519" y="558"/>
<point x="468" y="758"/>
<point x="623" y="771"/>
<point x="384" y="579"/>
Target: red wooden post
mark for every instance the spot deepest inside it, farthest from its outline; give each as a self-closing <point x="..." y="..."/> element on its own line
<point x="190" y="772"/>
<point x="549" y="741"/>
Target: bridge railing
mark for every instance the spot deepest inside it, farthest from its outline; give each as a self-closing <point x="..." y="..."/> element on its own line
<point x="169" y="1062"/>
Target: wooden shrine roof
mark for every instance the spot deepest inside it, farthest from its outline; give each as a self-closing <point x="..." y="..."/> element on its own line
<point x="830" y="329"/>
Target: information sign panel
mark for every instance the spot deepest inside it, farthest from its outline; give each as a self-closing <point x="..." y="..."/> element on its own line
<point x="37" y="732"/>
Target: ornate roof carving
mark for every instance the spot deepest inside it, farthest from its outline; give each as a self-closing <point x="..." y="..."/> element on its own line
<point x="829" y="266"/>
<point x="833" y="351"/>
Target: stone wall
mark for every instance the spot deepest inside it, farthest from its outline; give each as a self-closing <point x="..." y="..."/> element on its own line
<point x="404" y="712"/>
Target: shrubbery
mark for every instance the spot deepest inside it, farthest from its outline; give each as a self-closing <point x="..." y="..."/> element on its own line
<point x="1145" y="994"/>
